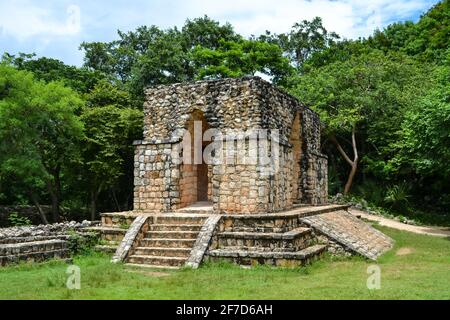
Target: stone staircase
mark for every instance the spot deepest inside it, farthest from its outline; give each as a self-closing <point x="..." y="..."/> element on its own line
<point x="34" y="251"/>
<point x="167" y="243"/>
<point x="175" y="239"/>
<point x="112" y="229"/>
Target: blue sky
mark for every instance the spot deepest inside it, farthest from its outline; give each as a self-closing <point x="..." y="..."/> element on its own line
<point x="56" y="28"/>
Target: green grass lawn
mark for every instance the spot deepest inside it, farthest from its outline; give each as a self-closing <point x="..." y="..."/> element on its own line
<point x="424" y="273"/>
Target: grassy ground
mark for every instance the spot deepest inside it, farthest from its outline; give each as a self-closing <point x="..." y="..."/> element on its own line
<point x="422" y="273"/>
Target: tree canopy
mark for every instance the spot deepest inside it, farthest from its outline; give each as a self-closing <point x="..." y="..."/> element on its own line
<point x="66" y="132"/>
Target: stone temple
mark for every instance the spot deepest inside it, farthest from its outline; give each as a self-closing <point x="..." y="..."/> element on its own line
<point x="233" y="186"/>
<point x="231" y="169"/>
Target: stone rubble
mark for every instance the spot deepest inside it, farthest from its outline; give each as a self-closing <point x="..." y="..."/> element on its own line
<point x="44" y="229"/>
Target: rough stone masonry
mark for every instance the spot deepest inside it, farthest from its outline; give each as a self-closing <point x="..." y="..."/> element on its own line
<point x="163" y="183"/>
<point x="220" y="174"/>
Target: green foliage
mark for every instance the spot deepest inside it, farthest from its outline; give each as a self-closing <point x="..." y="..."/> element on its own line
<point x="39" y="130"/>
<point x="240" y="58"/>
<point x="428" y="39"/>
<point x="325" y="279"/>
<point x="425" y="134"/>
<point x="391" y="90"/>
<point x="79" y="79"/>
<point x="393" y="87"/>
<point x="397" y="197"/>
<point x="201" y="49"/>
<point x="15" y="220"/>
<point x="372" y="192"/>
<point x="82" y="244"/>
<point x="303" y="41"/>
<point x="108" y="133"/>
<point x="353" y="92"/>
<point x="111" y="125"/>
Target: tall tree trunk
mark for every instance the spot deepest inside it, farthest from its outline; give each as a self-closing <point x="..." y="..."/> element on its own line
<point x="55" y="205"/>
<point x="353" y="163"/>
<point x="126" y="203"/>
<point x="93" y="205"/>
<point x="94" y="197"/>
<point x="39" y="208"/>
<point x="116" y="202"/>
<point x="54" y="188"/>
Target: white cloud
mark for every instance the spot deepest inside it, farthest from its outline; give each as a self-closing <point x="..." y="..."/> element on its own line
<point x="54" y="28"/>
<point x="22" y="20"/>
<point x="349" y="18"/>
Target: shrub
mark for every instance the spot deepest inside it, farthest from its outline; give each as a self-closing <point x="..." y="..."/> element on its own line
<point x="15" y="220"/>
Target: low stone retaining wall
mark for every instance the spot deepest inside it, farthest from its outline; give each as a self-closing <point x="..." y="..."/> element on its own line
<point x="44" y="229"/>
<point x="42" y="242"/>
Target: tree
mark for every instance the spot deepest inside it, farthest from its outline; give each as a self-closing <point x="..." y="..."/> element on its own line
<point x="39" y="130"/>
<point x="79" y="79"/>
<point x="151" y="56"/>
<point x="424" y="142"/>
<point x="427" y="40"/>
<point x="304" y="39"/>
<point x="356" y="99"/>
<point x="110" y="127"/>
<point x="240" y="58"/>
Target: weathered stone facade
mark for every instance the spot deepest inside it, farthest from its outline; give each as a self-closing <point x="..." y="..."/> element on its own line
<point x="163" y="183"/>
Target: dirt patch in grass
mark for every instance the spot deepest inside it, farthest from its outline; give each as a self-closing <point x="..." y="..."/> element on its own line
<point x="150" y="273"/>
<point x="404" y="251"/>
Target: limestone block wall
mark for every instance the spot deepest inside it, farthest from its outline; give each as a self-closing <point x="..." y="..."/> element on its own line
<point x="314" y="165"/>
<point x="162" y="184"/>
<point x="226" y="104"/>
<point x="248" y="188"/>
<point x="156" y="177"/>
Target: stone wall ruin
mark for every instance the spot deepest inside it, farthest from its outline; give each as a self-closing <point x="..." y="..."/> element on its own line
<point x="163" y="184"/>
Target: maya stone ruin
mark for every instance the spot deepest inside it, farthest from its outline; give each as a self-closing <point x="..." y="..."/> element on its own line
<point x="244" y="106"/>
<point x="231" y="169"/>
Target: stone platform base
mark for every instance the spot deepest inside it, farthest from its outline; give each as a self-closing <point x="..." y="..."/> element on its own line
<point x="36" y="251"/>
<point x="290" y="238"/>
<point x="278" y="259"/>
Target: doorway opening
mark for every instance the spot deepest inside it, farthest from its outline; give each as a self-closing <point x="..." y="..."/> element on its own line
<point x="196" y="175"/>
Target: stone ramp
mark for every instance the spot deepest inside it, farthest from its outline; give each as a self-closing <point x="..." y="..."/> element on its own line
<point x="350" y="232"/>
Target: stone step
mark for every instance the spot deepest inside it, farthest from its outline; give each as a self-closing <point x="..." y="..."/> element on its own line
<point x="118" y="219"/>
<point x="148" y="266"/>
<point x="157" y="260"/>
<point x="200" y="207"/>
<point x="196" y="210"/>
<point x="179" y="219"/>
<point x="35" y="256"/>
<point x="294" y="240"/>
<point x="295" y="233"/>
<point x="275" y="222"/>
<point x="264" y="223"/>
<point x="283" y="259"/>
<point x="106" y="248"/>
<point x="171" y="235"/>
<point x="109" y="233"/>
<point x="167" y="243"/>
<point x="175" y="227"/>
<point x="163" y="252"/>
